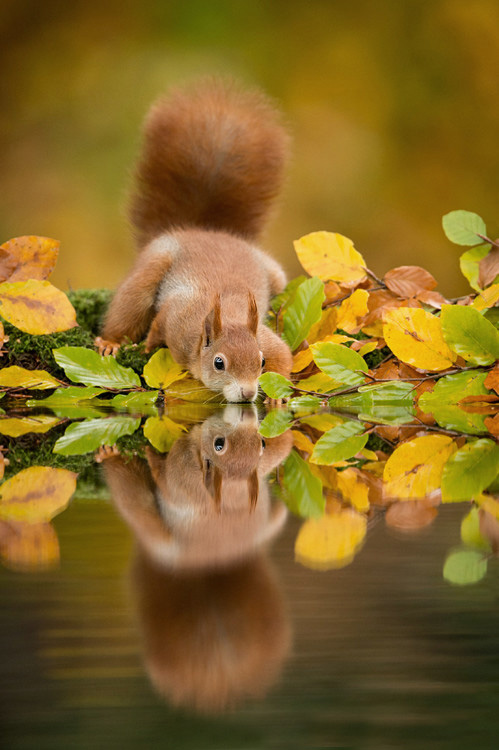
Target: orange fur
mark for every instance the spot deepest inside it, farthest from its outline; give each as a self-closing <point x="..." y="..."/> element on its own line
<point x="211" y="614"/>
<point x="210" y="169"/>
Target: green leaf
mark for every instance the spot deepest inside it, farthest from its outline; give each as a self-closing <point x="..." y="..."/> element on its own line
<point x="303" y="312"/>
<point x="135" y="401"/>
<point x="86" y="366"/>
<point x="469" y="334"/>
<point x="464" y="566"/>
<point x="304" y="404"/>
<point x="67" y="396"/>
<point x="88" y="436"/>
<point x="161" y="370"/>
<point x="340" y="363"/>
<point x="275" y="423"/>
<point x="275" y="385"/>
<point x="471" y="535"/>
<point x="391" y="393"/>
<point x="281" y="301"/>
<point x="19" y="377"/>
<point x="301" y="490"/>
<point x="470" y="470"/>
<point x="162" y="432"/>
<point x="382" y="403"/>
<point x="442" y="402"/>
<point x="463" y="227"/>
<point x="469" y="262"/>
<point x="339" y="444"/>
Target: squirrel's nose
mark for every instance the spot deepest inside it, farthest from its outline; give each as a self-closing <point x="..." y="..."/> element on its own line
<point x="248" y="394"/>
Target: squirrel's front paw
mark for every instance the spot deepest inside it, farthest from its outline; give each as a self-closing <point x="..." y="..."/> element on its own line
<point x="106" y="452"/>
<point x="106" y="347"/>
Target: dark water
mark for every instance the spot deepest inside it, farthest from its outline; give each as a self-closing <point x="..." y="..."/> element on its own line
<point x="259" y="652"/>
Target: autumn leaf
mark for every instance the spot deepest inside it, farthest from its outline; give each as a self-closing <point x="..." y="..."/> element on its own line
<point x="326" y="326"/>
<point x="409" y="281"/>
<point x="486" y="298"/>
<point x="29" y="547"/>
<point x="415" y="336"/>
<point x="352" y="311"/>
<point x="469" y="262"/>
<point x="330" y="256"/>
<point x="28" y="257"/>
<point x="410" y="516"/>
<point x="302" y="442"/>
<point x="162" y="432"/>
<point x="17" y="426"/>
<point x="161" y="370"/>
<point x="36" y="307"/>
<point x="19" y="377"/>
<point x="36" y="494"/>
<point x="354" y="490"/>
<point x="415" y="468"/>
<point x="331" y="541"/>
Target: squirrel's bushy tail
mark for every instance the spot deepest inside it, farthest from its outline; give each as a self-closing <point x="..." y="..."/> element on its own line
<point x="212" y="157"/>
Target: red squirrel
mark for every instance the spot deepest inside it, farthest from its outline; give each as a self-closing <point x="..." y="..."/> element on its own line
<point x="210" y="168"/>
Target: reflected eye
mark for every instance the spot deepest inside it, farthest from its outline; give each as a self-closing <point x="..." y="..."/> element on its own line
<point x="263" y="362"/>
<point x="219" y="443"/>
<point x="263" y="443"/>
<point x="218" y="363"/>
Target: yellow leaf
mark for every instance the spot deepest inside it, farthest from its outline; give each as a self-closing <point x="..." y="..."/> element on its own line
<point x="28" y="257"/>
<point x="352" y="310"/>
<point x="326" y="326"/>
<point x="368" y="348"/>
<point x="36" y="307"/>
<point x="17" y="426"/>
<point x="162" y="432"/>
<point x="322" y="422"/>
<point x="487" y="298"/>
<point x="327" y="475"/>
<point x="161" y="370"/>
<point x="415" y="336"/>
<point x="302" y="359"/>
<point x="319" y="383"/>
<point x="330" y="541"/>
<point x="330" y="256"/>
<point x="37" y="494"/>
<point x="415" y="468"/>
<point x="302" y="442"/>
<point x="27" y="547"/>
<point x="19" y="377"/>
<point x="190" y="389"/>
<point x="353" y="489"/>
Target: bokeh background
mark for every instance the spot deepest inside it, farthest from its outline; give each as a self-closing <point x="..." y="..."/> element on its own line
<point x="393" y="106"/>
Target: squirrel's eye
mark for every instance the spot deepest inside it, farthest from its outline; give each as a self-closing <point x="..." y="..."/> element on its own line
<point x="263" y="362"/>
<point x="219" y="443"/>
<point x="219" y="363"/>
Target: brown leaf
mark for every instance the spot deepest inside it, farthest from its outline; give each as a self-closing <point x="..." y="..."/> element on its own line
<point x="432" y="299"/>
<point x="488" y="268"/>
<point x="28" y="257"/>
<point x="380" y="301"/>
<point x="410" y="515"/>
<point x="491" y="382"/>
<point x="492" y="425"/>
<point x="408" y="281"/>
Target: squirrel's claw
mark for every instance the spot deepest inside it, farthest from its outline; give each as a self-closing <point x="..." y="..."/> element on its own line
<point x="105" y="452"/>
<point x="105" y="347"/>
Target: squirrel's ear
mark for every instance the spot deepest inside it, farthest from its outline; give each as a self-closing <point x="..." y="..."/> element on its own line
<point x="252" y="314"/>
<point x="253" y="490"/>
<point x="213" y="322"/>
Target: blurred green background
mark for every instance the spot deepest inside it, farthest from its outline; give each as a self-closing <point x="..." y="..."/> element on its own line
<point x="393" y="106"/>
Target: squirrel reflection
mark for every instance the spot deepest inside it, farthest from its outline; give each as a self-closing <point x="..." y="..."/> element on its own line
<point x="211" y="614"/>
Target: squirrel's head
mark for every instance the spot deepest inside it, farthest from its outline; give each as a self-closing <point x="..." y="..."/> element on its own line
<point x="231" y="359"/>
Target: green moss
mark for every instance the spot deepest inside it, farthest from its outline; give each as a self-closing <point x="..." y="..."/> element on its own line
<point x="35" y="352"/>
<point x="134" y="356"/>
<point x="90" y="306"/>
